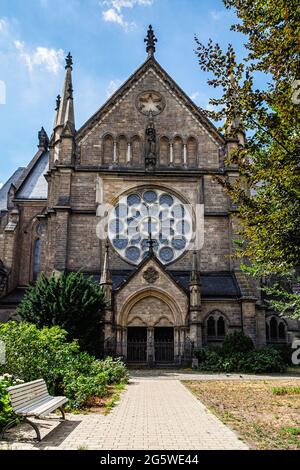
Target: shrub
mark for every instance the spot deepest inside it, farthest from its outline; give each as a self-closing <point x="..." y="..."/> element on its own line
<point x="80" y="388"/>
<point x="33" y="353"/>
<point x="6" y="412"/>
<point x="237" y="342"/>
<point x="72" y="302"/>
<point x="285" y="351"/>
<point x="237" y="354"/>
<point x="264" y="360"/>
<point x="114" y="369"/>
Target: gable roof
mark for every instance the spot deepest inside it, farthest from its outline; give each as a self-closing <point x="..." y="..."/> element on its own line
<point x="33" y="184"/>
<point x="151" y="63"/>
<point x="144" y="262"/>
<point x="14" y="179"/>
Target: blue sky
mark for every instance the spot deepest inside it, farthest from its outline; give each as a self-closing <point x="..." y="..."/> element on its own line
<point x="105" y="38"/>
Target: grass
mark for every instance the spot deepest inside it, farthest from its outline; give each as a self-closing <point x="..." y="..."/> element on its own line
<point x="264" y="416"/>
<point x="286" y="390"/>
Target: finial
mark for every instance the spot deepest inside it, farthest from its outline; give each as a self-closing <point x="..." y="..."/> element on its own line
<point x="150" y="40"/>
<point x="69" y="61"/>
<point x="58" y="100"/>
<point x="43" y="139"/>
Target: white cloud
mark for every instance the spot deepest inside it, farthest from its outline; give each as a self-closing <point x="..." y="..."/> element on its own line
<point x="3" y="24"/>
<point x="1" y="185"/>
<point x="112" y="87"/>
<point x="114" y="14"/>
<point x="120" y="4"/>
<point x="195" y="95"/>
<point x="217" y="14"/>
<point x="50" y="59"/>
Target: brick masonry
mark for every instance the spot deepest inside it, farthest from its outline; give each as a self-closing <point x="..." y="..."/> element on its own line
<point x="112" y="146"/>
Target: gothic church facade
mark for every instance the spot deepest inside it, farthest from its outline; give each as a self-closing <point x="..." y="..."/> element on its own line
<point x="145" y="164"/>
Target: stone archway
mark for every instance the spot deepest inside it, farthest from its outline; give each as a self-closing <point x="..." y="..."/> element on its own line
<point x="149" y="327"/>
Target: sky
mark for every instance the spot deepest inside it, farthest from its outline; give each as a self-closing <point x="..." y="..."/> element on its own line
<point x="106" y="39"/>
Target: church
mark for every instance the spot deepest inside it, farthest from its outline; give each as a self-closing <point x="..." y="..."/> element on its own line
<point x="131" y="199"/>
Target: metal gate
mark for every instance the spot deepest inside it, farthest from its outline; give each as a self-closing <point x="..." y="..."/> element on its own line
<point x="136" y="351"/>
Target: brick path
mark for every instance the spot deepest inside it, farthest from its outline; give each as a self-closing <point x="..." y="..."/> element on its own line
<point x="152" y="414"/>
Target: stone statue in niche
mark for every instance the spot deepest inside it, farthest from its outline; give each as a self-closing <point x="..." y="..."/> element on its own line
<point x="150" y="156"/>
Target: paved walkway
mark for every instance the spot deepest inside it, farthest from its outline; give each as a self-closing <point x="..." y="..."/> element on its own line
<point x="152" y="414"/>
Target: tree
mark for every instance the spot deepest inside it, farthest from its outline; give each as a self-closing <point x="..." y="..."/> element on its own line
<point x="268" y="191"/>
<point x="71" y="302"/>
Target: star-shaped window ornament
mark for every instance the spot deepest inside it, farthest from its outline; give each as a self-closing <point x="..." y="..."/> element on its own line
<point x="150" y="102"/>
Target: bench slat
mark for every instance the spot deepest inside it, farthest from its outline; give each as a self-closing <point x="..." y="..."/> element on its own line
<point x="43" y="408"/>
<point x="23" y="389"/>
<point x="29" y="391"/>
<point x="17" y="402"/>
<point x="35" y="403"/>
<point x="27" y="384"/>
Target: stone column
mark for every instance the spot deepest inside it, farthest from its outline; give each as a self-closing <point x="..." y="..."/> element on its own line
<point x="128" y="153"/>
<point x="249" y="318"/>
<point x="150" y="346"/>
<point x="119" y="341"/>
<point x="260" y="327"/>
<point x="124" y="342"/>
<point x="115" y="153"/>
<point x="184" y="155"/>
<point x="171" y="154"/>
<point x="176" y="345"/>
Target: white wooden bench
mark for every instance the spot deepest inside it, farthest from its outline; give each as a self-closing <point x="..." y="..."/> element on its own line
<point x="33" y="399"/>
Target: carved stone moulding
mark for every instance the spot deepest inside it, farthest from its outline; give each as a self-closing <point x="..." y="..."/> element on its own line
<point x="150" y="102"/>
<point x="151" y="275"/>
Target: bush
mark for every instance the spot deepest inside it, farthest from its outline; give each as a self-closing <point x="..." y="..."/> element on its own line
<point x="237" y="342"/>
<point x="254" y="362"/>
<point x="114" y="369"/>
<point x="72" y="302"/>
<point x="33" y="353"/>
<point x="237" y="354"/>
<point x="6" y="412"/>
<point x="80" y="388"/>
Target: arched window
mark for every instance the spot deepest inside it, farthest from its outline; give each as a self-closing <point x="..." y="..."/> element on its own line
<point x="178" y="151"/>
<point x="281" y="331"/>
<point x="164" y="151"/>
<point x="275" y="330"/>
<point x="216" y="327"/>
<point x="108" y="150"/>
<point x="221" y="327"/>
<point x="211" y="326"/>
<point x="36" y="254"/>
<point x="136" y="151"/>
<point x="192" y="151"/>
<point x="122" y="150"/>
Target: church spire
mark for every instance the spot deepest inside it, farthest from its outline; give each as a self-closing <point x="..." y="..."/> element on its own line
<point x="64" y="104"/>
<point x="150" y="40"/>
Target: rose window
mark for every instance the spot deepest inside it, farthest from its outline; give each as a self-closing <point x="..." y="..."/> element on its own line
<point x="150" y="213"/>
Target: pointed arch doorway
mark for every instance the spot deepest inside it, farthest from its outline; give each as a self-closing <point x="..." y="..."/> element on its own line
<point x="151" y="329"/>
